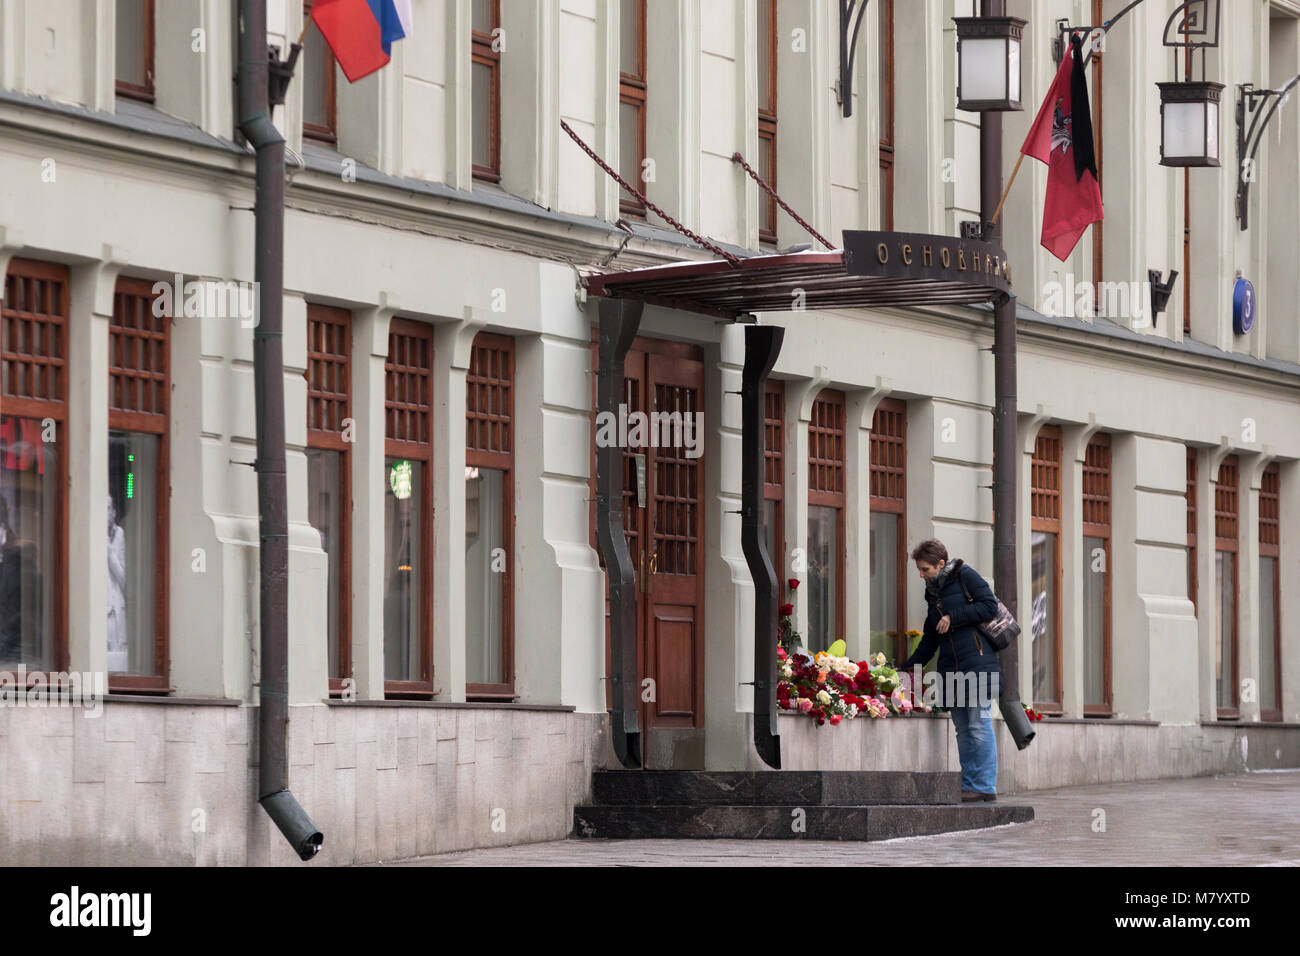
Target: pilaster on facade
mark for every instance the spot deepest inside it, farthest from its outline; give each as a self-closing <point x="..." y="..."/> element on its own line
<point x="369" y="352"/>
<point x="90" y="310"/>
<point x="1289" y="595"/>
<point x="799" y="397"/>
<point x="1249" y="684"/>
<point x="804" y="100"/>
<point x="1279" y="289"/>
<point x="605" y="108"/>
<point x="1075" y="563"/>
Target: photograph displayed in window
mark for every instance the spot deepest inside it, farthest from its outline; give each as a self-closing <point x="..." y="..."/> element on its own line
<point x="139" y="393"/>
<point x="329" y="470"/>
<point x="887" y="494"/>
<point x="631" y="101"/>
<point x="774" y="485"/>
<point x="408" y="507"/>
<point x="319" y="76"/>
<point x="1270" y="595"/>
<point x="1225" y="588"/>
<point x="826" y="504"/>
<point x="485" y="90"/>
<point x="1045" y="530"/>
<point x="885" y="87"/>
<point x="767" y="59"/>
<point x="1096" y="578"/>
<point x="30" y="508"/>
<point x="134" y="36"/>
<point x="1191" y="529"/>
<point x="33" y="470"/>
<point x="489" y="518"/>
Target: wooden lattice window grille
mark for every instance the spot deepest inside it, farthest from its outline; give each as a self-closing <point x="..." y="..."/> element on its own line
<point x="34" y="387"/>
<point x="826" y="457"/>
<point x="1270" y="546"/>
<point x="489" y="443"/>
<point x="139" y="393"/>
<point x="486" y="18"/>
<point x="1225" y="539"/>
<point x="319" y="69"/>
<point x="632" y="99"/>
<point x="135" y="18"/>
<point x="329" y="413"/>
<point x="1097" y="524"/>
<point x="774" y="476"/>
<point x="1045" y="516"/>
<point x="408" y="434"/>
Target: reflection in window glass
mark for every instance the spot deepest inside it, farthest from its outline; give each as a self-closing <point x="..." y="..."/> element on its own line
<point x="403" y="571"/>
<point x="629" y="144"/>
<point x="771" y="515"/>
<point x="1042" y="626"/>
<point x="324" y="474"/>
<point x="29" y="501"/>
<point x="485" y="566"/>
<point x="1268" y="633"/>
<point x="1226" y="606"/>
<point x="132" y="551"/>
<point x="823" y="570"/>
<point x="1094" y="620"/>
<point x="131" y="37"/>
<point x="884" y="584"/>
<point x="317" y="69"/>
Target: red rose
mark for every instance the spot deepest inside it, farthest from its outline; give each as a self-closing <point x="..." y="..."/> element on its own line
<point x="835" y="719"/>
<point x="794" y="584"/>
<point x="787" y="610"/>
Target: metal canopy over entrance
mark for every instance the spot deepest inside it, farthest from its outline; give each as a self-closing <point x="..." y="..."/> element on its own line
<point x="874" y="269"/>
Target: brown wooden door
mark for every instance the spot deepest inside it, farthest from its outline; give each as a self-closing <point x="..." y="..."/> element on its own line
<point x="665" y="536"/>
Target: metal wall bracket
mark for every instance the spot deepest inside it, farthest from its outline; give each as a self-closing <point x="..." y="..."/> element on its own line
<point x="850" y="22"/>
<point x="1160" y="292"/>
<point x="1252" y="120"/>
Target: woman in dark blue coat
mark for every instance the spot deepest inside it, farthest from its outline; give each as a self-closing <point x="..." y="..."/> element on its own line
<point x="968" y="665"/>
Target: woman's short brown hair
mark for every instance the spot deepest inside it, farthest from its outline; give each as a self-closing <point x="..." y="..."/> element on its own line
<point x="931" y="551"/>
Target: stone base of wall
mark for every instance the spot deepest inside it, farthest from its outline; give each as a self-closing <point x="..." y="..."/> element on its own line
<point x="1064" y="753"/>
<point x="170" y="783"/>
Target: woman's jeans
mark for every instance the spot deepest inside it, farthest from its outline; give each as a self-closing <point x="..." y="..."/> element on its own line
<point x="977" y="748"/>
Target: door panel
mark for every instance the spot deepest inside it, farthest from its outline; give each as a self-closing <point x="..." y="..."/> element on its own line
<point x="665" y="539"/>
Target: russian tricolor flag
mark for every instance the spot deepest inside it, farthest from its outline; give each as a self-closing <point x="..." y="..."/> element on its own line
<point x="360" y="33"/>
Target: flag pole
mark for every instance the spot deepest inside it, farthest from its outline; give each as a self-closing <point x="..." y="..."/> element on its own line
<point x="306" y="25"/>
<point x="998" y="211"/>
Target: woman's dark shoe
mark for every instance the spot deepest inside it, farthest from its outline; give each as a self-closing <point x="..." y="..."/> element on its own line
<point x="989" y="797"/>
<point x="970" y="796"/>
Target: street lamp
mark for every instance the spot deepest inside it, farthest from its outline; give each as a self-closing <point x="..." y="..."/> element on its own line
<point x="988" y="63"/>
<point x="1189" y="123"/>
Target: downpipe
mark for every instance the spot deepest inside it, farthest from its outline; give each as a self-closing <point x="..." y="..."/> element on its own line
<point x="255" y="105"/>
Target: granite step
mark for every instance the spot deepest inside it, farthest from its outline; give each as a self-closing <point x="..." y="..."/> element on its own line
<point x="806" y="788"/>
<point x="814" y="822"/>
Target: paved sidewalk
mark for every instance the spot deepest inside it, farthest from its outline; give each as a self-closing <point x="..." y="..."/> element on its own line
<point x="1238" y="820"/>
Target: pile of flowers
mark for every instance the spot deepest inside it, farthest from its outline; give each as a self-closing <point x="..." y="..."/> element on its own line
<point x="787" y="638"/>
<point x="827" y="686"/>
<point x="1031" y="713"/>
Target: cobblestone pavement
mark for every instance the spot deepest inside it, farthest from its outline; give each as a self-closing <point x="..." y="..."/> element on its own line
<point x="1233" y="820"/>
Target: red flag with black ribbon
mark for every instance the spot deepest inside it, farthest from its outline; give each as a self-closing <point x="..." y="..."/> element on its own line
<point x="1061" y="137"/>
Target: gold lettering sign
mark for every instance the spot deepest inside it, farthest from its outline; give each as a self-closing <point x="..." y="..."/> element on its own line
<point x="882" y="252"/>
<point x="926" y="258"/>
<point x="907" y="254"/>
<point x="961" y="260"/>
<point x="945" y="258"/>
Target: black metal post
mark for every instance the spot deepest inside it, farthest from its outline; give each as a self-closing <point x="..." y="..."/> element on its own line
<point x="762" y="346"/>
<point x="1006" y="459"/>
<point x="619" y="320"/>
<point x="268" y="384"/>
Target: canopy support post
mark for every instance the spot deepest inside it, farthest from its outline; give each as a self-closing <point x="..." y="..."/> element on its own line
<point x="619" y="320"/>
<point x="762" y="345"/>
